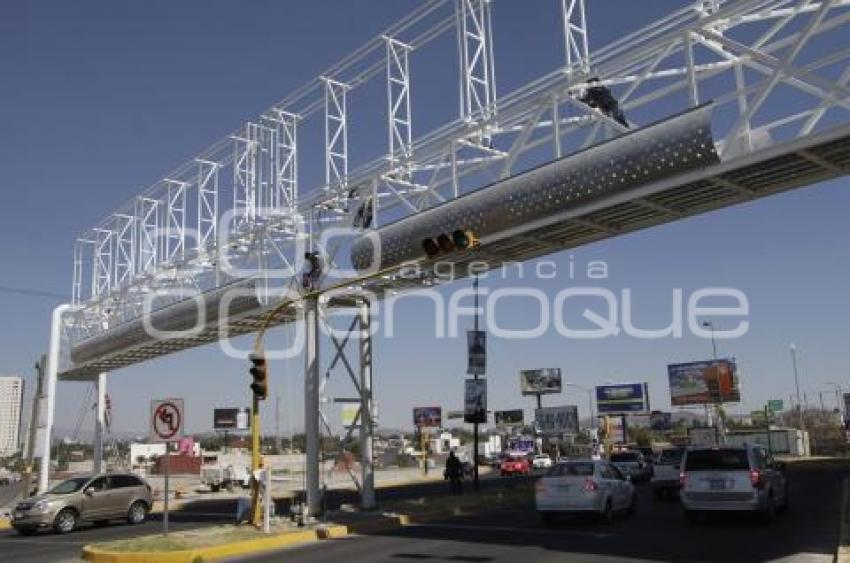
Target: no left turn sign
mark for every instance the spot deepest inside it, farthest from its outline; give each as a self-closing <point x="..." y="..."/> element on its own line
<point x="166" y="420"/>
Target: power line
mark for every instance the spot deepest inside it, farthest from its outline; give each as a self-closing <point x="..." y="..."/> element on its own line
<point x="31" y="292"/>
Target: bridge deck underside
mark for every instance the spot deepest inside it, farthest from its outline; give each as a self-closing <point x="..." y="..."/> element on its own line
<point x="791" y="165"/>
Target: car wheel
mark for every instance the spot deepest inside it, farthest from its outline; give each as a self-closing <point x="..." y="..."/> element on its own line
<point x="607" y="515"/>
<point x="768" y="514"/>
<point x="65" y="521"/>
<point x="137" y="513"/>
<point x="215" y="488"/>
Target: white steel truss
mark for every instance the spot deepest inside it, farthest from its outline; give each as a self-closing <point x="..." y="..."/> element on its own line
<point x="336" y="134"/>
<point x="147" y="218"/>
<point x="284" y="197"/>
<point x="748" y="57"/>
<point x="125" y="249"/>
<point x="174" y="234"/>
<point x="245" y="164"/>
<point x="478" y="76"/>
<point x="207" y="235"/>
<point x="102" y="272"/>
<point x="399" y="117"/>
<point x="80" y="246"/>
<point x="575" y="36"/>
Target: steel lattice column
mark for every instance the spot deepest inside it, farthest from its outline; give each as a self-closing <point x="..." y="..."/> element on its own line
<point x="311" y="405"/>
<point x="367" y="490"/>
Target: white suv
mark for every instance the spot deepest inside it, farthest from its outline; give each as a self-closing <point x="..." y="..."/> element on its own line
<point x="740" y="478"/>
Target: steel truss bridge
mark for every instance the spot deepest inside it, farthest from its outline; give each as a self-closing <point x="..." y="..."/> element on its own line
<point x="775" y="73"/>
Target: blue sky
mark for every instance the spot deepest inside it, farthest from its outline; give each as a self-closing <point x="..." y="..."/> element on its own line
<point x="100" y="99"/>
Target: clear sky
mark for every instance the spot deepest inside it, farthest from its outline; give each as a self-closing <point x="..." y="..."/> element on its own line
<point x="99" y="99"/>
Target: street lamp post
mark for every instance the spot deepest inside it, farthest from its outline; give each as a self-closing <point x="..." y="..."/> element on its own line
<point x="793" y="349"/>
<point x="719" y="434"/>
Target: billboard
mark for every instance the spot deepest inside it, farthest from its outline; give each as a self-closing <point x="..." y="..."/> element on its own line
<point x="475" y="401"/>
<point x="231" y="419"/>
<point x="515" y="416"/>
<point x="557" y="420"/>
<point x="622" y="398"/>
<point x="707" y="382"/>
<point x="477" y="352"/>
<point x="660" y="421"/>
<point x="427" y="416"/>
<point x="540" y="381"/>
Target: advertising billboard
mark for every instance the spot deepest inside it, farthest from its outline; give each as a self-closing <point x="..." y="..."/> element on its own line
<point x="622" y="398"/>
<point x="475" y="401"/>
<point x="557" y="420"/>
<point x="231" y="419"/>
<point x="660" y="421"/>
<point x="515" y="416"/>
<point x="540" y="381"/>
<point x="706" y="382"/>
<point x="427" y="416"/>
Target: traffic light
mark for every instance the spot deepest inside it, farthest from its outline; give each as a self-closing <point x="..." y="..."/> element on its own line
<point x="461" y="239"/>
<point x="259" y="373"/>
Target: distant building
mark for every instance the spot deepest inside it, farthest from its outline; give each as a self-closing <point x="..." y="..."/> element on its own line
<point x="11" y="401"/>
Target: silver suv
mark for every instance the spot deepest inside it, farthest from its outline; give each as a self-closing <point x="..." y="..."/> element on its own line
<point x="740" y="478"/>
<point x="97" y="498"/>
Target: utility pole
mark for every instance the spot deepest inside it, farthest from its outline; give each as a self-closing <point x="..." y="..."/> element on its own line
<point x="793" y="348"/>
<point x="36" y="401"/>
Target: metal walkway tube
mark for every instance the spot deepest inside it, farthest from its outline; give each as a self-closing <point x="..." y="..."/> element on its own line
<point x="367" y="491"/>
<point x="99" y="423"/>
<point x="52" y="370"/>
<point x="311" y="406"/>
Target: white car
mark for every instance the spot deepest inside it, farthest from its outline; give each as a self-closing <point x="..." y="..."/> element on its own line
<point x="665" y="472"/>
<point x="542" y="461"/>
<point x="585" y="486"/>
<point x="740" y="478"/>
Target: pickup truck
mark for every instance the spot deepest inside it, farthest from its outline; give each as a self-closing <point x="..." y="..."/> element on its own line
<point x="226" y="472"/>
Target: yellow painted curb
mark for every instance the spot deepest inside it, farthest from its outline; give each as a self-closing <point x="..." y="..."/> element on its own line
<point x="212" y="553"/>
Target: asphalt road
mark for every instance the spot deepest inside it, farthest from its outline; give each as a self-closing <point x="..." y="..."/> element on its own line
<point x="47" y="547"/>
<point x="808" y="532"/>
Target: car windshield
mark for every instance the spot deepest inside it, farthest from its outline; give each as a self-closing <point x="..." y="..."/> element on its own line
<point x="625" y="456"/>
<point x="713" y="460"/>
<point x="672" y="456"/>
<point x="69" y="486"/>
<point x="571" y="469"/>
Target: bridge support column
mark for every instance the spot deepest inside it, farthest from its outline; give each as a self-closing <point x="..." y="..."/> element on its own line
<point x="52" y="371"/>
<point x="311" y="406"/>
<point x="367" y="491"/>
<point x="99" y="423"/>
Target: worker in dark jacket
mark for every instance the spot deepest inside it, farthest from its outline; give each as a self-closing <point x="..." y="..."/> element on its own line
<point x="454" y="473"/>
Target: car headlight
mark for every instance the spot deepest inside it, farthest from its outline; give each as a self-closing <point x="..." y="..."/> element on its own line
<point x="41" y="506"/>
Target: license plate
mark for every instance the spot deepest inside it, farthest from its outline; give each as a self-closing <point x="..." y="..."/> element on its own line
<point x="717" y="484"/>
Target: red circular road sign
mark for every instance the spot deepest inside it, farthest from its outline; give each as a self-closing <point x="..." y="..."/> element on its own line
<point x="166" y="420"/>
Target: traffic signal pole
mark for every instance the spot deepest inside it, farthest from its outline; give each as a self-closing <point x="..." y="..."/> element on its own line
<point x="256" y="511"/>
